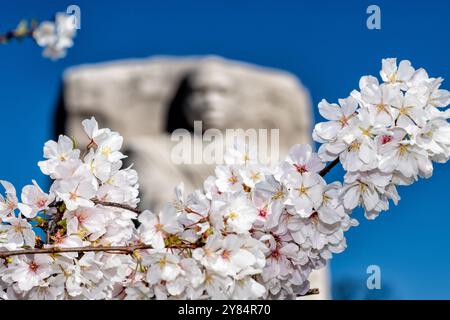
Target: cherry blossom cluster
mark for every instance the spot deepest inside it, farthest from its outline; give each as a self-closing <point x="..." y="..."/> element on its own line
<point x="386" y="134"/>
<point x="66" y="217"/>
<point x="250" y="232"/>
<point x="56" y="36"/>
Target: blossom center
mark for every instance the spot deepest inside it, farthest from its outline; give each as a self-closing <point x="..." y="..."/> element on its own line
<point x="233" y="215"/>
<point x="275" y="254"/>
<point x="278" y="195"/>
<point x="18" y="228"/>
<point x="344" y="121"/>
<point x="262" y="212"/>
<point x="354" y="146"/>
<point x="314" y="217"/>
<point x="402" y="149"/>
<point x="33" y="267"/>
<point x="404" y="110"/>
<point x="301" y="168"/>
<point x="255" y="175"/>
<point x="385" y="139"/>
<point x="381" y="107"/>
<point x="73" y="196"/>
<point x="226" y="254"/>
<point x="233" y="179"/>
<point x="302" y="190"/>
<point x="106" y="151"/>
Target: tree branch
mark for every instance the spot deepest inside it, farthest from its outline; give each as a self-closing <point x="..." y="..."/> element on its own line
<point x="311" y="292"/>
<point x="329" y="166"/>
<point x="116" y="205"/>
<point x="111" y="249"/>
<point x="16" y="34"/>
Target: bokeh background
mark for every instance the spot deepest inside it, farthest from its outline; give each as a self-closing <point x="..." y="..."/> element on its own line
<point x="325" y="43"/>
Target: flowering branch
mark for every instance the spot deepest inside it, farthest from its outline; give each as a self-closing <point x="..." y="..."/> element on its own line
<point x="20" y="32"/>
<point x="250" y="232"/>
<point x="54" y="36"/>
<point x="110" y="249"/>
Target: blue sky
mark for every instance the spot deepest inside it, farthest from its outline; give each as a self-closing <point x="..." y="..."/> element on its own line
<point x="325" y="43"/>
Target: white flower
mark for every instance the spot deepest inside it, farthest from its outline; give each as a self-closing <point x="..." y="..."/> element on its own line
<point x="271" y="195"/>
<point x="28" y="271"/>
<point x="100" y="167"/>
<point x="76" y="192"/>
<point x="394" y="75"/>
<point x="360" y="150"/>
<point x="305" y="192"/>
<point x="339" y="118"/>
<point x="45" y="34"/>
<point x="252" y="174"/>
<point x="56" y="37"/>
<point x="228" y="178"/>
<point x="8" y="205"/>
<point x="364" y="188"/>
<point x="109" y="147"/>
<point x="35" y="200"/>
<point x="241" y="154"/>
<point x="57" y="154"/>
<point x="217" y="286"/>
<point x="239" y="214"/>
<point x="247" y="288"/>
<point x="162" y="267"/>
<point x="377" y="99"/>
<point x="435" y="138"/>
<point x="232" y="256"/>
<point x="437" y="98"/>
<point x="408" y="109"/>
<point x="331" y="210"/>
<point x="403" y="155"/>
<point x="301" y="159"/>
<point x="154" y="228"/>
<point x="50" y="289"/>
<point x="86" y="220"/>
<point x="20" y="233"/>
<point x="188" y="280"/>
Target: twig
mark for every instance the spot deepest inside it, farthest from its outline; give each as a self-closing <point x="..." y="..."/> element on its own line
<point x="110" y="249"/>
<point x="13" y="34"/>
<point x="329" y="166"/>
<point x="311" y="292"/>
<point x="116" y="205"/>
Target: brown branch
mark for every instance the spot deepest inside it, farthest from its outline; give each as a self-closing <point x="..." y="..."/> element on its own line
<point x="329" y="166"/>
<point x="116" y="205"/>
<point x="311" y="292"/>
<point x="13" y="34"/>
<point x="110" y="249"/>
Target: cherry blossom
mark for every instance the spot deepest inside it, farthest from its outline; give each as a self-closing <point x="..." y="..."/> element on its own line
<point x="249" y="232"/>
<point x="56" y="37"/>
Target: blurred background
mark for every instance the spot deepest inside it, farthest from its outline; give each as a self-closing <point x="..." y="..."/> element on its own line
<point x="326" y="44"/>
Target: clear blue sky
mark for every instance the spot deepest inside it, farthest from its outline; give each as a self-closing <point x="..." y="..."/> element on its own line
<point x="325" y="43"/>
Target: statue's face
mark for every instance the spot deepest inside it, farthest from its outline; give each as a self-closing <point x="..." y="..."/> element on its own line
<point x="210" y="99"/>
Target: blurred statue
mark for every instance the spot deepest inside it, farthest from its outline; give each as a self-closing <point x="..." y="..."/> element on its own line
<point x="211" y="96"/>
<point x="146" y="100"/>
